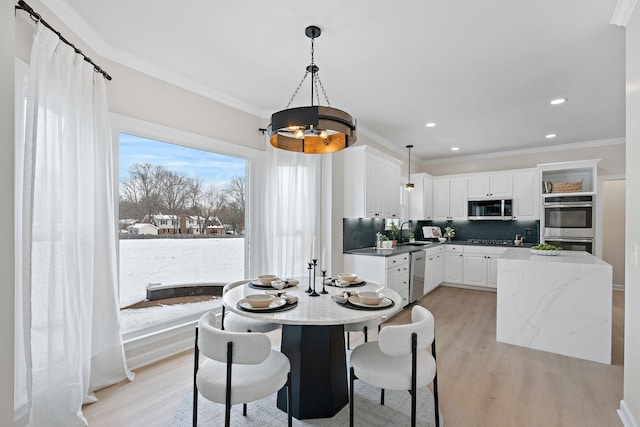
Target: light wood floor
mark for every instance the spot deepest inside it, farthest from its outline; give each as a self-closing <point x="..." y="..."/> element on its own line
<point x="481" y="382"/>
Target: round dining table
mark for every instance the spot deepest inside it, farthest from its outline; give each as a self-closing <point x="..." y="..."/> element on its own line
<point x="313" y="340"/>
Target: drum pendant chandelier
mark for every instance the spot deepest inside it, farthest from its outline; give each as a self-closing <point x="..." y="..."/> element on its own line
<point x="314" y="129"/>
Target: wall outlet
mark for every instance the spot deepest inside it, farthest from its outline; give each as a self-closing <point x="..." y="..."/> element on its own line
<point x="528" y="232"/>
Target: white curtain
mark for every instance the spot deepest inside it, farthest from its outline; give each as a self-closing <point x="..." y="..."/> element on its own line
<point x="290" y="212"/>
<point x="69" y="272"/>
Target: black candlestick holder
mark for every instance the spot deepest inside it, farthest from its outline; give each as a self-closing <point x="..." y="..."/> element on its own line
<point x="324" y="275"/>
<point x="310" y="266"/>
<point x="314" y="293"/>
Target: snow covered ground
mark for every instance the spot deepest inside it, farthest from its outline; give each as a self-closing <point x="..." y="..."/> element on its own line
<point x="173" y="261"/>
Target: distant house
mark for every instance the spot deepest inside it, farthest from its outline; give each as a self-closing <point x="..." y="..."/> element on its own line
<point x="166" y="224"/>
<point x="142" y="228"/>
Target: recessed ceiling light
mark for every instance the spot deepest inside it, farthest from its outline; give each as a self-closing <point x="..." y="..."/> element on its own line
<point x="558" y="101"/>
<point x="430" y="124"/>
<point x="455" y="148"/>
<point x="551" y="135"/>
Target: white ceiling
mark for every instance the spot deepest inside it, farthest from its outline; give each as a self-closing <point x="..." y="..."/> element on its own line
<point x="484" y="71"/>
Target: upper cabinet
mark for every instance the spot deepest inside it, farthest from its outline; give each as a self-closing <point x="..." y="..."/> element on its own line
<point x="420" y="200"/>
<point x="450" y="199"/>
<point x="526" y="197"/>
<point x="372" y="184"/>
<point x="568" y="177"/>
<point x="490" y="186"/>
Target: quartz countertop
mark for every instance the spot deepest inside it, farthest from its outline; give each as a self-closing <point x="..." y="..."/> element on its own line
<point x="402" y="248"/>
<point x="567" y="257"/>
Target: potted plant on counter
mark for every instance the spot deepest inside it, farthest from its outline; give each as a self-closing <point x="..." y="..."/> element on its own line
<point x="394" y="234"/>
<point x="449" y="232"/>
<point x="412" y="237"/>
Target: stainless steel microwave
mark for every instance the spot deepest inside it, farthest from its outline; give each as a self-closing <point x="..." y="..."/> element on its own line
<point x="496" y="209"/>
<point x="569" y="216"/>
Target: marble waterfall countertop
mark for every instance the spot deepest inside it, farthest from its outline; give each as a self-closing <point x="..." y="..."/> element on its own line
<point x="560" y="304"/>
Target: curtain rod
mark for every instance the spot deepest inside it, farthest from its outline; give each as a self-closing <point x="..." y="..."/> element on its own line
<point x="22" y="5"/>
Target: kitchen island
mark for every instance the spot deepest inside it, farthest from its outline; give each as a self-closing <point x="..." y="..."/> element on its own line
<point x="560" y="304"/>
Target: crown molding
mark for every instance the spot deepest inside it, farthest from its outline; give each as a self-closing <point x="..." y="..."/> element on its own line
<point x="380" y="140"/>
<point x="92" y="39"/>
<point x="622" y="12"/>
<point x="525" y="151"/>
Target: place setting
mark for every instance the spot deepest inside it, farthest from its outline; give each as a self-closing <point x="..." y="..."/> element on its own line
<point x="267" y="302"/>
<point x="345" y="280"/>
<point x="369" y="300"/>
<point x="271" y="281"/>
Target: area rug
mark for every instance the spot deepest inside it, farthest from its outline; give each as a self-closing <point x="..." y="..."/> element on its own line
<point x="368" y="411"/>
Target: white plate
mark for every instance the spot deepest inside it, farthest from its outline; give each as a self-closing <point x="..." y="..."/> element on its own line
<point x="355" y="300"/>
<point x="276" y="303"/>
<point x="258" y="283"/>
<point x="545" y="252"/>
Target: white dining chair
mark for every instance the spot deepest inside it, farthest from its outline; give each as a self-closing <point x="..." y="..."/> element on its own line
<point x="235" y="323"/>
<point x="399" y="360"/>
<point x="364" y="327"/>
<point x="240" y="367"/>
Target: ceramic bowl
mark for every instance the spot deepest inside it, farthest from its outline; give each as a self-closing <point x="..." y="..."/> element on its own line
<point x="266" y="279"/>
<point x="259" y="300"/>
<point x="348" y="277"/>
<point x="442" y="239"/>
<point x="370" y="298"/>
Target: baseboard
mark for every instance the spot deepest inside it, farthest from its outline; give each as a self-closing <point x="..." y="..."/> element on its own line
<point x="626" y="416"/>
<point x="21" y="416"/>
<point x="475" y="288"/>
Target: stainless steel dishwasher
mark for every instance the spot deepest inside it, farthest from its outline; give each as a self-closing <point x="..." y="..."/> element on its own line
<point x="416" y="280"/>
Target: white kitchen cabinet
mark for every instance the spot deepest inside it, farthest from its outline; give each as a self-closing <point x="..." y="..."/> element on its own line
<point x="421" y="198"/>
<point x="480" y="265"/>
<point x="526" y="195"/>
<point x="372" y="189"/>
<point x="434" y="268"/>
<point x="391" y="271"/>
<point x="450" y="199"/>
<point x="453" y="256"/>
<point x="583" y="171"/>
<point x="490" y="186"/>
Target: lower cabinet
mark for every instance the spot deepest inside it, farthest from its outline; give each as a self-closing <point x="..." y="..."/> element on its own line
<point x="480" y="265"/>
<point x="453" y="263"/>
<point x="434" y="268"/>
<point x="391" y="271"/>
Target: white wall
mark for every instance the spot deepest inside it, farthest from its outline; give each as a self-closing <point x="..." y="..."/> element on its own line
<point x="631" y="396"/>
<point x="612" y="200"/>
<point x="6" y="212"/>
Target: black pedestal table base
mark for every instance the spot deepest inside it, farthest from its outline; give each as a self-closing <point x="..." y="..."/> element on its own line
<point x="318" y="370"/>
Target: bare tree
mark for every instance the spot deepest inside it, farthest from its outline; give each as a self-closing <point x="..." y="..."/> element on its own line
<point x="174" y="190"/>
<point x="212" y="204"/>
<point x="141" y="187"/>
<point x="236" y="203"/>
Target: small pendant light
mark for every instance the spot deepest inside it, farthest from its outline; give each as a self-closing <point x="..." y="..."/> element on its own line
<point x="409" y="185"/>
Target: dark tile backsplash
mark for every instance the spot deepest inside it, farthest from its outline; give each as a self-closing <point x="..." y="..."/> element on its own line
<point x="361" y="232"/>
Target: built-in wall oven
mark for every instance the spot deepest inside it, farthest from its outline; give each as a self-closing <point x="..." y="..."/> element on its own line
<point x="569" y="222"/>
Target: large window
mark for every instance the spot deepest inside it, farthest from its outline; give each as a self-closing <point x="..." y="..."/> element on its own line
<point x="182" y="225"/>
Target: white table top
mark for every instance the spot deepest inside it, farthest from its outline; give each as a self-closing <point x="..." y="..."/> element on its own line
<point x="320" y="310"/>
<point x="568" y="257"/>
